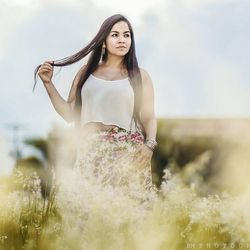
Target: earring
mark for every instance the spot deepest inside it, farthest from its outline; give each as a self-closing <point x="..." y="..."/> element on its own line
<point x="103" y="50"/>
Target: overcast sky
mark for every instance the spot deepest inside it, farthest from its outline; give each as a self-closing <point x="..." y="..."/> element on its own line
<point x="197" y="53"/>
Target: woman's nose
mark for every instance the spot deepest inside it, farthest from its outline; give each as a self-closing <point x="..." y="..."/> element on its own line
<point x="121" y="39"/>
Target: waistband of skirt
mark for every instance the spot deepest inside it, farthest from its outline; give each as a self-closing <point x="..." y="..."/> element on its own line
<point x="115" y="134"/>
<point x="119" y="129"/>
<point x="121" y="134"/>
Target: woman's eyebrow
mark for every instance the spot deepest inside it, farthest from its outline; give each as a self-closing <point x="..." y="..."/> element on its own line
<point x="118" y="32"/>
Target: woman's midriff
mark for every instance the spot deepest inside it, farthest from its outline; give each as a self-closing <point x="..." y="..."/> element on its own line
<point x="96" y="127"/>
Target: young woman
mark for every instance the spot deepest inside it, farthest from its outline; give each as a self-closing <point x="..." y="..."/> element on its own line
<point x="111" y="100"/>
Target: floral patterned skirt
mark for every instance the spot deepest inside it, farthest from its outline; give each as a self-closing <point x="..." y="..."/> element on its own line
<point x="108" y="157"/>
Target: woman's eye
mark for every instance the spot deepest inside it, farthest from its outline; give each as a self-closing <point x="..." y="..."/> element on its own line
<point x="127" y="35"/>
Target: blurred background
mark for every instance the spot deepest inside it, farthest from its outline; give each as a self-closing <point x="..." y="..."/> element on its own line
<point x="196" y="52"/>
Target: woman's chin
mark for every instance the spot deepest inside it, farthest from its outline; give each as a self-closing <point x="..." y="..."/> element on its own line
<point x="120" y="53"/>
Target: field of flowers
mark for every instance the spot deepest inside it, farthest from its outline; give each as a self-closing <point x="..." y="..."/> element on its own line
<point x="188" y="211"/>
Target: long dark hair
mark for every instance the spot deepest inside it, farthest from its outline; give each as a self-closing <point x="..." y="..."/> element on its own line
<point x="95" y="47"/>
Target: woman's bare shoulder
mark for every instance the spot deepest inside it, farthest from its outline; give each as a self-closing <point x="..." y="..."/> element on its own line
<point x="145" y="75"/>
<point x="82" y="69"/>
<point x="78" y="74"/>
<point x="72" y="92"/>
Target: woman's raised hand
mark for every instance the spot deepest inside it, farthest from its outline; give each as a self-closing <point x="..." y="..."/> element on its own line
<point x="45" y="72"/>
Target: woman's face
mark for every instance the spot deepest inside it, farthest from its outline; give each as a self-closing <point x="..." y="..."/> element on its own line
<point x="118" y="40"/>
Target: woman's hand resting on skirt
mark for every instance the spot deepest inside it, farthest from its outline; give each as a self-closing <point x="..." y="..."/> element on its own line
<point x="143" y="155"/>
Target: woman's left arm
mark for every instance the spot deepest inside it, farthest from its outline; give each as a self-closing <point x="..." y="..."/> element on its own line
<point x="148" y="118"/>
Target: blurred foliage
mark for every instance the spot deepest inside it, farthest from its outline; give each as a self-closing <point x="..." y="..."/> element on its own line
<point x="202" y="145"/>
<point x="205" y="159"/>
<point x="40" y="144"/>
<point x="192" y="148"/>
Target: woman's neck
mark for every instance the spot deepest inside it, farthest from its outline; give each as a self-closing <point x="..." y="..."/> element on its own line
<point x="105" y="69"/>
<point x="113" y="63"/>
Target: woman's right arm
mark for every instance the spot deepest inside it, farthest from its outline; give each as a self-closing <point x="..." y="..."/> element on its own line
<point x="62" y="107"/>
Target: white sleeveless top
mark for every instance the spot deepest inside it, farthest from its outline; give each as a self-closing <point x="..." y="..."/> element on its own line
<point x="108" y="101"/>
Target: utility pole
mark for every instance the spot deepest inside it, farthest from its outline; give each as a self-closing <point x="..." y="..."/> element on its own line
<point x="15" y="129"/>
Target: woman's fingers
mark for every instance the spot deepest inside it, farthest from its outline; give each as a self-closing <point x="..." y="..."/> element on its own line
<point x="43" y="70"/>
<point x="139" y="159"/>
<point x="46" y="71"/>
<point x="46" y="64"/>
<point x="142" y="156"/>
<point x="141" y="163"/>
<point x="47" y="67"/>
